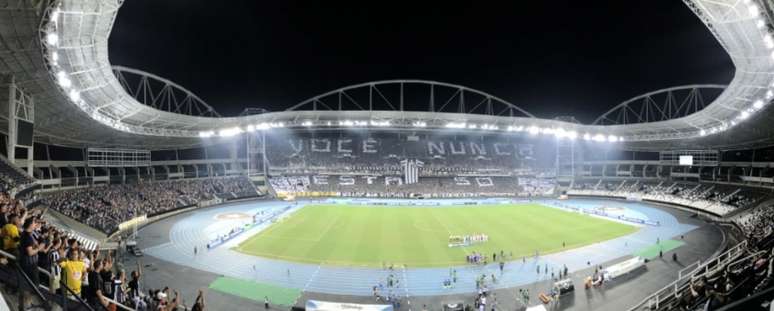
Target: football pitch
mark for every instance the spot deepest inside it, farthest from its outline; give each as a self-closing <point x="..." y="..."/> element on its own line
<point x="373" y="236"/>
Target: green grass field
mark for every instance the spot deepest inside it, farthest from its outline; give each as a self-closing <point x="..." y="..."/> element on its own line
<point x="419" y="236"/>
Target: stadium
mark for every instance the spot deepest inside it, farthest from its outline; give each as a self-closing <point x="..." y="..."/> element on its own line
<point x="123" y="190"/>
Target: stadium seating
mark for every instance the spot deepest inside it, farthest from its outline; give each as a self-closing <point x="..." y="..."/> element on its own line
<point x="104" y="207"/>
<point x="12" y="177"/>
<point x="729" y="277"/>
<point x="64" y="241"/>
<point x="718" y="199"/>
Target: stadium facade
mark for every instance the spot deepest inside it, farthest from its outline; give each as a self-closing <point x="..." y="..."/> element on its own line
<point x="72" y="119"/>
<point x="58" y="55"/>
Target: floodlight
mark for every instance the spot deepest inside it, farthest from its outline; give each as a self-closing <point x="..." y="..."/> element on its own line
<point x="64" y="82"/>
<point x="768" y="41"/>
<point x="74" y="95"/>
<point x="753" y="9"/>
<point x="229" y="132"/>
<point x="52" y="38"/>
<point x="758" y="104"/>
<point x="55" y="15"/>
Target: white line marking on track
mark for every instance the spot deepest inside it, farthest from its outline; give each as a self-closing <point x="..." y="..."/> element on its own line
<point x="405" y="287"/>
<point x="312" y="278"/>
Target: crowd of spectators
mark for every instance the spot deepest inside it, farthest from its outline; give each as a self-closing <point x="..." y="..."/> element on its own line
<point x="442" y="156"/>
<point x="757" y="222"/>
<point x="105" y="206"/>
<point x="747" y="274"/>
<point x="11" y="177"/>
<point x="718" y="199"/>
<point x="70" y="268"/>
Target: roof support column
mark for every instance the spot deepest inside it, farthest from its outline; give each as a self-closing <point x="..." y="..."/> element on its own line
<point x="11" y="152"/>
<point x="233" y="155"/>
<point x="20" y="107"/>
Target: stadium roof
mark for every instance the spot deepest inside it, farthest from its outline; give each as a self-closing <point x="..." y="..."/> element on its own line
<point x="57" y="52"/>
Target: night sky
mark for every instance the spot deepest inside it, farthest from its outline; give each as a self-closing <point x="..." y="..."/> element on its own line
<point x="551" y="58"/>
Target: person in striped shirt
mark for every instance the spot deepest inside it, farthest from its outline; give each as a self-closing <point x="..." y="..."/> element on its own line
<point x="55" y="254"/>
<point x="119" y="287"/>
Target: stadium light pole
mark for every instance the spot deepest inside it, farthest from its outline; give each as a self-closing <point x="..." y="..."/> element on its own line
<point x="263" y="156"/>
<point x="247" y="152"/>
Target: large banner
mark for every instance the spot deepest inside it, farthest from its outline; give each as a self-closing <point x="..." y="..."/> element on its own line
<point x="295" y="149"/>
<point x="317" y="305"/>
<point x="350" y="180"/>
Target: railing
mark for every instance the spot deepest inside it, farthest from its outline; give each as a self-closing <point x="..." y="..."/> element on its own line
<point x="750" y="302"/>
<point x="69" y="294"/>
<point x="690" y="267"/>
<point x="69" y="297"/>
<point x="668" y="292"/>
<point x="744" y="259"/>
<point x="21" y="276"/>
